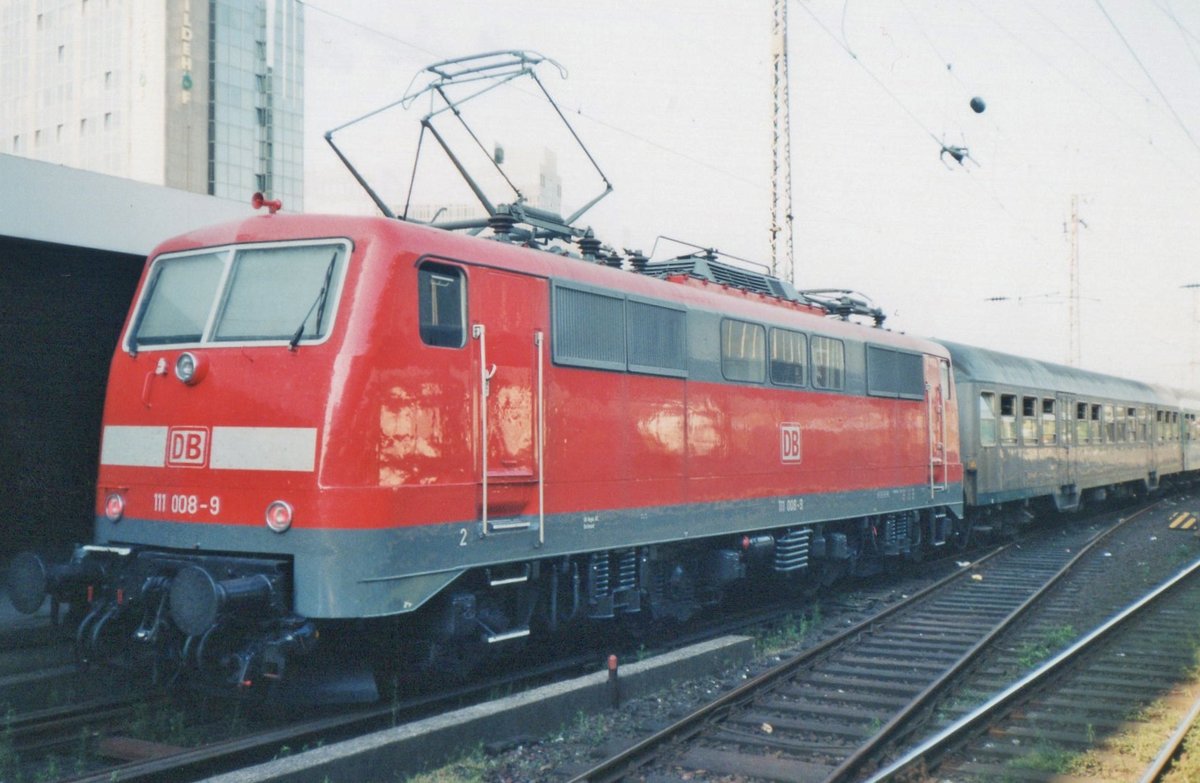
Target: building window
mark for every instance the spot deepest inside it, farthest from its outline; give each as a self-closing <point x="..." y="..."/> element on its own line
<point x="441" y="303"/>
<point x="1008" y="419"/>
<point x="828" y="363"/>
<point x="789" y="357"/>
<point x="987" y="419"/>
<point x="743" y="351"/>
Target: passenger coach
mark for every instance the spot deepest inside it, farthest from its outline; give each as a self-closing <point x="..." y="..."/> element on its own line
<point x="1035" y="430"/>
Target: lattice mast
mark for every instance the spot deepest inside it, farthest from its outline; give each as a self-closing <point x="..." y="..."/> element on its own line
<point x="782" y="248"/>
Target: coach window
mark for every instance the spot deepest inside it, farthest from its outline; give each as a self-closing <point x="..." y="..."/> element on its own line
<point x="1081" y="422"/>
<point x="1029" y="421"/>
<point x="1094" y="425"/>
<point x="789" y="357"/>
<point x="1049" y="422"/>
<point x="1120" y="430"/>
<point x="1008" y="419"/>
<point x="828" y="363"/>
<point x="441" y="306"/>
<point x="1131" y="424"/>
<point x="743" y="351"/>
<point x="987" y="419"/>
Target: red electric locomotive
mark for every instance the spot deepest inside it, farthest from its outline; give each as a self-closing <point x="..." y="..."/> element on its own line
<point x="320" y="419"/>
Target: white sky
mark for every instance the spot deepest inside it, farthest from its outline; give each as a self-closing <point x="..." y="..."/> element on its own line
<point x="674" y="101"/>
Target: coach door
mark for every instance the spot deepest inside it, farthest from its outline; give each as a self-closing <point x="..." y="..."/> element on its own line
<point x="1065" y="414"/>
<point x="509" y="313"/>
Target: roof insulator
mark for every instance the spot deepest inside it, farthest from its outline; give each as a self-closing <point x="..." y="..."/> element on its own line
<point x="637" y="260"/>
<point x="501" y="222"/>
<point x="589" y="246"/>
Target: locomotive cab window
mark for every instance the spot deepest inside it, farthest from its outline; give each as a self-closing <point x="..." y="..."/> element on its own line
<point x="178" y="299"/>
<point x="284" y="292"/>
<point x="441" y="305"/>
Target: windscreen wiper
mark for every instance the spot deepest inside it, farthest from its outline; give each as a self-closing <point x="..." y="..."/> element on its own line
<point x="318" y="305"/>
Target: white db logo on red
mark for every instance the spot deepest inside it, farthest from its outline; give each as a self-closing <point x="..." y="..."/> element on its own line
<point x="187" y="447"/>
<point x="789" y="442"/>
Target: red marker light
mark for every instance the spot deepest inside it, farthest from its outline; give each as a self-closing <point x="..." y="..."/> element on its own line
<point x="114" y="507"/>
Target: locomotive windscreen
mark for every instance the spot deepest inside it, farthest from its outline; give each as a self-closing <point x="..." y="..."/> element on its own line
<point x="241" y="294"/>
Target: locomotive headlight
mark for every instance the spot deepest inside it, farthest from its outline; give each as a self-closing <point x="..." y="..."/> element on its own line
<point x="191" y="368"/>
<point x="279" y="516"/>
<point x="114" y="507"/>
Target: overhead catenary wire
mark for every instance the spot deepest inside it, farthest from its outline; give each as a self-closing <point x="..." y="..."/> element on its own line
<point x="1149" y="76"/>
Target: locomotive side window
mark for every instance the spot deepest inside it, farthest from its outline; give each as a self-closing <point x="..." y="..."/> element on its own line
<point x="179" y="299"/>
<point x="789" y="357"/>
<point x="828" y="363"/>
<point x="1008" y="419"/>
<point x="987" y="419"/>
<point x="894" y="373"/>
<point x="589" y="328"/>
<point x="656" y="339"/>
<point x="743" y="351"/>
<point x="441" y="305"/>
<point x="1049" y="422"/>
<point x="1081" y="422"/>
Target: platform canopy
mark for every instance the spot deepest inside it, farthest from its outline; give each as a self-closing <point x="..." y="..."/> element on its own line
<point x="51" y="203"/>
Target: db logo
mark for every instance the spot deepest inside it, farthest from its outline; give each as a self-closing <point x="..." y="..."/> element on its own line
<point x="187" y="447"/>
<point x="789" y="442"/>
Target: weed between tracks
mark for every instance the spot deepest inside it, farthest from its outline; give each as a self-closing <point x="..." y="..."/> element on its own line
<point x="790" y="632"/>
<point x="1031" y="653"/>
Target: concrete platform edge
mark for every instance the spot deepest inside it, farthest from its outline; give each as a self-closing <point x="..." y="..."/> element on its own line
<point x="391" y="754"/>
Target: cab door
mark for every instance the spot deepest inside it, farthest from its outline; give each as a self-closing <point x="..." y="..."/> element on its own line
<point x="509" y="317"/>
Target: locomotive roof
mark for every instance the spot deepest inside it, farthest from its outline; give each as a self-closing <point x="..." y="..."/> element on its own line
<point x="422" y="240"/>
<point x="981" y="365"/>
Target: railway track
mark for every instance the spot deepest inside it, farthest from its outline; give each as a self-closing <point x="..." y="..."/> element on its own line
<point x="832" y="710"/>
<point x="95" y="742"/>
<point x="1033" y="729"/>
